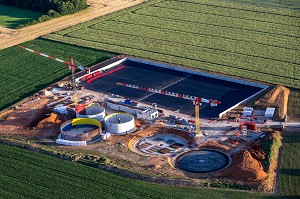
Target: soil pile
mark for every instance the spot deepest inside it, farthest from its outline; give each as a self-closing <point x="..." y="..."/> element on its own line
<point x="277" y="97"/>
<point x="22" y="116"/>
<point x="214" y="145"/>
<point x="139" y="122"/>
<point x="258" y="153"/>
<point x="52" y="119"/>
<point x="246" y="168"/>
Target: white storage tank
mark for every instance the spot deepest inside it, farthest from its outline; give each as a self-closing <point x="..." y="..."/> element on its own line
<point x="93" y="111"/>
<point x="119" y="123"/>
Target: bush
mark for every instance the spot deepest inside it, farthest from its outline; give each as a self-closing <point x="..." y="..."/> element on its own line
<point x="53" y="14"/>
<point x="44" y="18"/>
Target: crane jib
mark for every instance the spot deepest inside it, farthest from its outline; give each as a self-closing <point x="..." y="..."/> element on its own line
<point x="173" y="94"/>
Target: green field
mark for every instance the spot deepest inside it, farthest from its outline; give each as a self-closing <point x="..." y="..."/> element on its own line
<point x="11" y="16"/>
<point x="23" y="73"/>
<point x="27" y="174"/>
<point x="227" y="37"/>
<point x="289" y="176"/>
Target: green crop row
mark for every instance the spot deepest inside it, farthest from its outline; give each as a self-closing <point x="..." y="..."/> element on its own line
<point x="218" y="31"/>
<point x="26" y="174"/>
<point x="220" y="20"/>
<point x="289" y="179"/>
<point x="228" y="46"/>
<point x="233" y="12"/>
<point x="271" y="7"/>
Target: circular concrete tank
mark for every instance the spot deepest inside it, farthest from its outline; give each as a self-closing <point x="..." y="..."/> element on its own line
<point x="119" y="123"/>
<point x="81" y="129"/>
<point x="94" y="111"/>
<point x="202" y="161"/>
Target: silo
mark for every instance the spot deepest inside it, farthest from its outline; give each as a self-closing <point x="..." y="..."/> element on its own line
<point x="119" y="123"/>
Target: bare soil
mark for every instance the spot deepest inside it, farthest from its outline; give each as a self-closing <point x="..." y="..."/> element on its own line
<point x="30" y="119"/>
<point x="277" y="97"/>
<point x="11" y="37"/>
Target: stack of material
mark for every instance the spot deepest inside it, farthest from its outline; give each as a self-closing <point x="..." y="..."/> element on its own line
<point x="247" y="111"/>
<point x="269" y="112"/>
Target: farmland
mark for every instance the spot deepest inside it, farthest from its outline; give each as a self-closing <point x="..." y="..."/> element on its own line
<point x="26" y="73"/>
<point x="289" y="179"/>
<point x="27" y="174"/>
<point x="242" y="39"/>
<point x="11" y="17"/>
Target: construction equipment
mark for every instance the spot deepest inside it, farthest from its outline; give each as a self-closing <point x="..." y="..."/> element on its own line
<point x="71" y="65"/>
<point x="197" y="116"/>
<point x="196" y="100"/>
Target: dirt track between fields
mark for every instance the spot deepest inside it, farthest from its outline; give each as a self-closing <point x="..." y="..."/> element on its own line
<point x="11" y="37"/>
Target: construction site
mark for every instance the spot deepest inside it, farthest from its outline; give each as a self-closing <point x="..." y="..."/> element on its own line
<point x="156" y="119"/>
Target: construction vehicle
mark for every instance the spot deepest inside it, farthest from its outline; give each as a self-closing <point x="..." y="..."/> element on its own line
<point x="71" y="65"/>
<point x="196" y="100"/>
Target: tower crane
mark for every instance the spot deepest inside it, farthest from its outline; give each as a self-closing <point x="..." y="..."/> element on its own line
<point x="197" y="101"/>
<point x="71" y="65"/>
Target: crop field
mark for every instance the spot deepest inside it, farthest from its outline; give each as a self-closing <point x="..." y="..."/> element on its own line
<point x="11" y="16"/>
<point x="23" y="73"/>
<point x="258" y="41"/>
<point x="27" y="174"/>
<point x="289" y="178"/>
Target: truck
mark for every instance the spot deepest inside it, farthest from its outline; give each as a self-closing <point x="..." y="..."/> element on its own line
<point x="130" y="102"/>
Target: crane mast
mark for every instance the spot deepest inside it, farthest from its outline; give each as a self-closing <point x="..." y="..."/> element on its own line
<point x="196" y="100"/>
<point x="71" y="65"/>
<point x="197" y="118"/>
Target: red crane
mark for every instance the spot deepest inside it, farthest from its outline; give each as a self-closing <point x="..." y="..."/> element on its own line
<point x="71" y="65"/>
<point x="196" y="100"/>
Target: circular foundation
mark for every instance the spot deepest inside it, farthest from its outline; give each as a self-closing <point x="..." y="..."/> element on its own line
<point x="81" y="129"/>
<point x="160" y="144"/>
<point x="202" y="161"/>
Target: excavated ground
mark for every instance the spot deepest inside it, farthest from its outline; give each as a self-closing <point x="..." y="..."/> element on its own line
<point x="277" y="97"/>
<point x="31" y="120"/>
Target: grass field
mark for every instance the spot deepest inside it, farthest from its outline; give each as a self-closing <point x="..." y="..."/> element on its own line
<point x="23" y="73"/>
<point x="26" y="174"/>
<point x="11" y="16"/>
<point x="289" y="176"/>
<point x="239" y="38"/>
<point x="294" y="105"/>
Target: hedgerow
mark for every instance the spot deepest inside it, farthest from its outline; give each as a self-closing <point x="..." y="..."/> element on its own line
<point x="50" y="8"/>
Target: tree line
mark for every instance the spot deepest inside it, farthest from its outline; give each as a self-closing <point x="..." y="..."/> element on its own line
<point x="50" y="8"/>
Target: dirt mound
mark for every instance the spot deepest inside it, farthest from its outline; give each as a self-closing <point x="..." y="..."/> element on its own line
<point x="139" y="122"/>
<point x="258" y="153"/>
<point x="214" y="145"/>
<point x="277" y="97"/>
<point x="52" y="119"/>
<point x="246" y="168"/>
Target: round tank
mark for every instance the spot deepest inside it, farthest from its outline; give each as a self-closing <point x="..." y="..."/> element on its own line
<point x="119" y="123"/>
<point x="94" y="111"/>
<point x="81" y="129"/>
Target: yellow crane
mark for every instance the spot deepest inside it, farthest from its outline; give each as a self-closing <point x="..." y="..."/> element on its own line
<point x="197" y="118"/>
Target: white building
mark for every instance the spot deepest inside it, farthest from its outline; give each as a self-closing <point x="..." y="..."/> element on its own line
<point x="140" y="112"/>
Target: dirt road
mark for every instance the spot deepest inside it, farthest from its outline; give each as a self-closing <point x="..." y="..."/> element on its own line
<point x="98" y="8"/>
